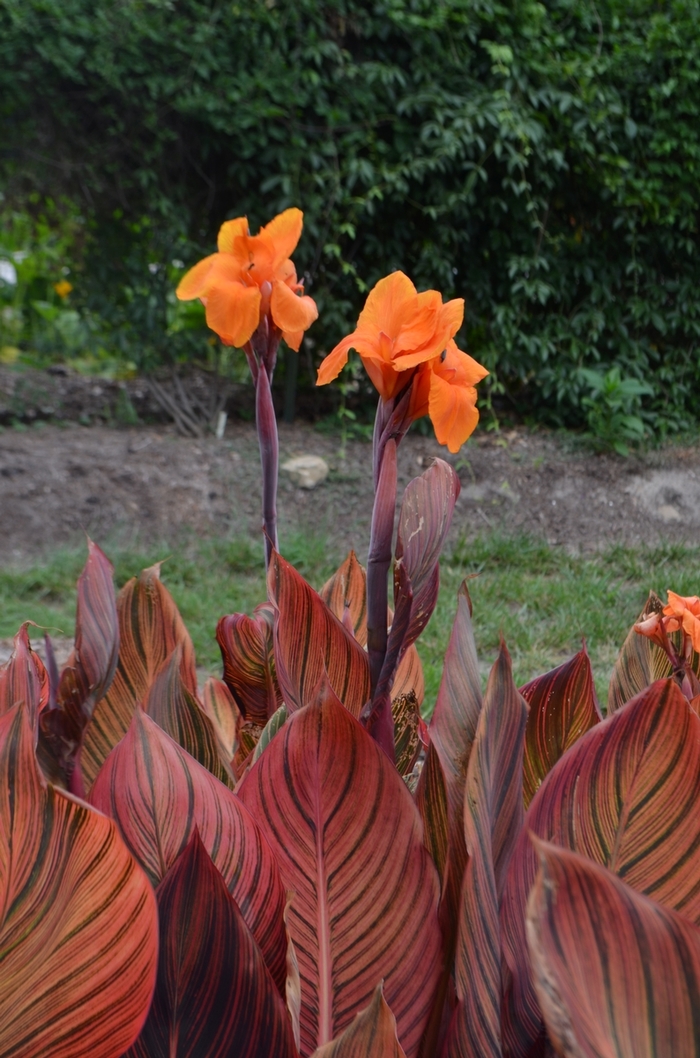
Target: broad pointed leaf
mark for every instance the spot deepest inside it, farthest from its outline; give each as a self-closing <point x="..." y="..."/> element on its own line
<point x="150" y="627"/>
<point x="247" y="669"/>
<point x="407" y="726"/>
<point x="23" y="679"/>
<point x="616" y="973"/>
<point x="157" y="794"/>
<point x="310" y="640"/>
<point x="431" y="801"/>
<point x="218" y="704"/>
<point x="372" y="1034"/>
<point x="78" y="932"/>
<point x="348" y="840"/>
<point x="452" y="733"/>
<point x="174" y="708"/>
<point x="409" y="677"/>
<point x="347" y="589"/>
<point x="424" y="521"/>
<point x="626" y="796"/>
<point x="90" y="669"/>
<point x="639" y="663"/>
<point x="214" y="996"/>
<point x="563" y="706"/>
<point x="493" y="816"/>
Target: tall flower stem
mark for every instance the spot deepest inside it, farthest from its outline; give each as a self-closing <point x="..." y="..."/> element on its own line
<point x="268" y="441"/>
<point x="379" y="561"/>
<point x="261" y="353"/>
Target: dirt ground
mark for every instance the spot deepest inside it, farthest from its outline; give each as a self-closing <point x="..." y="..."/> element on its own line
<point x="146" y="484"/>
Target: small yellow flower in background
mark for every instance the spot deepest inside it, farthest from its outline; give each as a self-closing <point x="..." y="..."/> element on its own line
<point x="63" y="288"/>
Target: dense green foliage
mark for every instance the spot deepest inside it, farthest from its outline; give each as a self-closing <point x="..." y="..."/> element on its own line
<point x="541" y="160"/>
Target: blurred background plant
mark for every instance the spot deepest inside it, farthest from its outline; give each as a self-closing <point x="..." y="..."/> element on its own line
<point x="613" y="410"/>
<point x="541" y="160"/>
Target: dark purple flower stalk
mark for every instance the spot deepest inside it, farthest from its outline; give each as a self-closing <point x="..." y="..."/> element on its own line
<point x="261" y="353"/>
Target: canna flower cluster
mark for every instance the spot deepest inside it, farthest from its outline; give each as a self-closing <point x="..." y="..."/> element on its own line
<point x="407" y="339"/>
<point x="251" y="282"/>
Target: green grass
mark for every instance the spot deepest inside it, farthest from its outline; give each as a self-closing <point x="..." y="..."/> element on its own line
<point x="542" y="600"/>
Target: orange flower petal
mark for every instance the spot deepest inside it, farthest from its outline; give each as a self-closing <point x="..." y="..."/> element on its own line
<point x="453" y="412"/>
<point x="290" y="311"/>
<point x="448" y="320"/>
<point x="285" y="231"/>
<point x="389" y="306"/>
<point x="233" y="312"/>
<point x="336" y="360"/>
<point x="194" y="283"/>
<point x="229" y="231"/>
<point x="293" y="339"/>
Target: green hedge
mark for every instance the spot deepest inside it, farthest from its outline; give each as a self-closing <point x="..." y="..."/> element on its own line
<point x="542" y="160"/>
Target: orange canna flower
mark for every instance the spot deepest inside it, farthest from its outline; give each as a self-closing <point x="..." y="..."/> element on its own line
<point x="252" y="277"/>
<point x="397" y="330"/>
<point x="444" y="389"/>
<point x="683" y="613"/>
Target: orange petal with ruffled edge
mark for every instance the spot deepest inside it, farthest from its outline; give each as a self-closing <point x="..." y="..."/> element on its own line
<point x="290" y="311"/>
<point x="334" y="363"/>
<point x="195" y="282"/>
<point x="233" y="312"/>
<point x="285" y="231"/>
<point x="453" y="412"/>
<point x="229" y="231"/>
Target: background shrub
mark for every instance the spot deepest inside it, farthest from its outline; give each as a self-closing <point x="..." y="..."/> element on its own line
<point x="540" y="159"/>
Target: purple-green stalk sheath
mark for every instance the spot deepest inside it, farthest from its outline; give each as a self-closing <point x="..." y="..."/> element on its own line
<point x="379" y="561"/>
<point x="268" y="441"/>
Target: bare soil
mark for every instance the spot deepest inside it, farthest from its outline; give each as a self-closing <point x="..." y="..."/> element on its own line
<point x="144" y="485"/>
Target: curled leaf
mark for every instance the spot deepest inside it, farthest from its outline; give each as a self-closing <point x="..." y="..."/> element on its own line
<point x="248" y="665"/>
<point x="23" y="679"/>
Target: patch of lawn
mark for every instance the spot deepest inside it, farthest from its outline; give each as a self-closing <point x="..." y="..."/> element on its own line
<point x="542" y="600"/>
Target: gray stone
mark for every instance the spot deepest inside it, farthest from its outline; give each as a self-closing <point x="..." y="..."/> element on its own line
<point x="306" y="471"/>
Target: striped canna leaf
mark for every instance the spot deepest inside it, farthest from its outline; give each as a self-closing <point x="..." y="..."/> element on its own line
<point x="220" y="707"/>
<point x="78" y="933"/>
<point x="431" y="801"/>
<point x="150" y="627"/>
<point x="174" y="708"/>
<point x="639" y="663"/>
<point x="626" y="796"/>
<point x="616" y="973"/>
<point x="157" y="794"/>
<point x="24" y="680"/>
<point x="372" y="1034"/>
<point x="563" y="706"/>
<point x="348" y="840"/>
<point x="493" y="816"/>
<point x="310" y="640"/>
<point x="214" y="996"/>
<point x="248" y="671"/>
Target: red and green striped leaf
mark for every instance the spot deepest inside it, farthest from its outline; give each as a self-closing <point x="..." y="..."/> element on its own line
<point x="218" y="704"/>
<point x="639" y="663"/>
<point x="174" y="708"/>
<point x="78" y="932"/>
<point x="90" y="669"/>
<point x="424" y="521"/>
<point x="311" y="641"/>
<point x="493" y="817"/>
<point x="150" y="627"/>
<point x="563" y="706"/>
<point x="347" y="590"/>
<point x="214" y="997"/>
<point x="626" y="796"/>
<point x="248" y="674"/>
<point x="452" y="733"/>
<point x="372" y="1034"/>
<point x="616" y="973"/>
<point x="23" y="679"/>
<point x="157" y="794"/>
<point x="348" y="840"/>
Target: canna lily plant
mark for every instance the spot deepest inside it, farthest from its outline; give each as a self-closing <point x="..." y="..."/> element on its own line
<point x="288" y="862"/>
